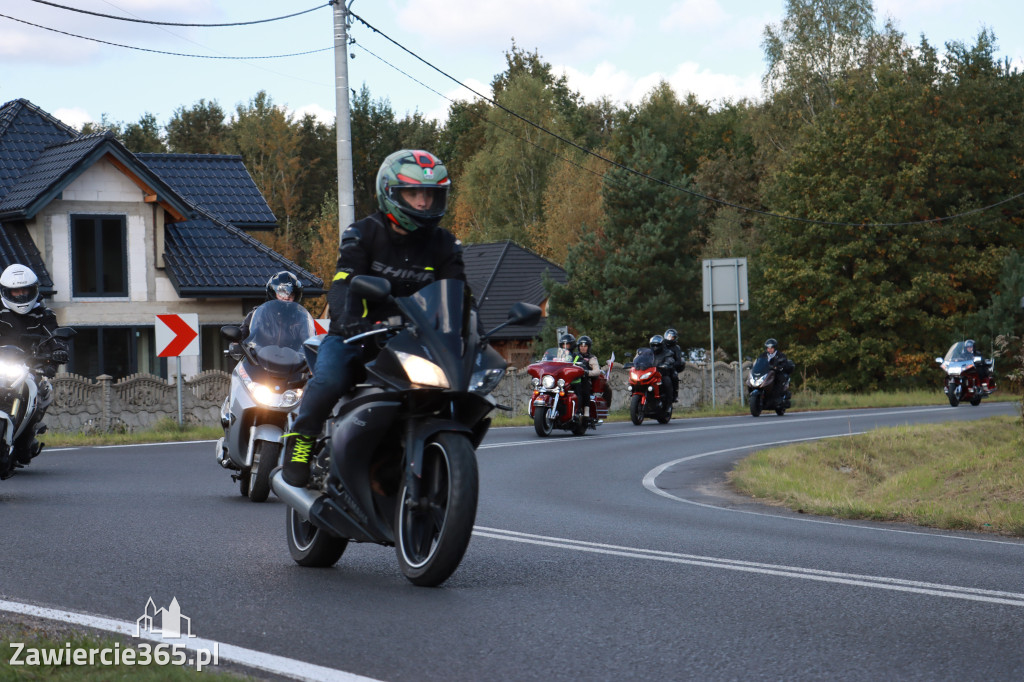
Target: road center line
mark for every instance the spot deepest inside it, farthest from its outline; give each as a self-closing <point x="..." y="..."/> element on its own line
<point x="853" y="579"/>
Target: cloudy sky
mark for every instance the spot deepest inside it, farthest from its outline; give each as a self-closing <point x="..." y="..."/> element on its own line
<point x="609" y="49"/>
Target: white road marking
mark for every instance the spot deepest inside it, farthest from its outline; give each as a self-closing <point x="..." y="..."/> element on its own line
<point x="278" y="665"/>
<point x="875" y="582"/>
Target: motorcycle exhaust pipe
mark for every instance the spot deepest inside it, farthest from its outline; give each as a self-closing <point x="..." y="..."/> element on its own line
<point x="299" y="499"/>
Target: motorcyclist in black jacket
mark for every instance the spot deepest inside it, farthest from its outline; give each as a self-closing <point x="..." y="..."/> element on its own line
<point x="25" y="322"/>
<point x="664" y="360"/>
<point x="400" y="242"/>
<point x="778" y="361"/>
<point x="678" y="364"/>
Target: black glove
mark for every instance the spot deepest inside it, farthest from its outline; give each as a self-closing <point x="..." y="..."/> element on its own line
<point x="59" y="356"/>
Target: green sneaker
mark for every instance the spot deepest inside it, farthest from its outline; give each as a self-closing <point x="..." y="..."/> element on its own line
<point x="297" y="449"/>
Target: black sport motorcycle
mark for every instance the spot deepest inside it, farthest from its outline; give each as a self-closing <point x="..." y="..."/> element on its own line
<point x="396" y="461"/>
<point x="762" y="391"/>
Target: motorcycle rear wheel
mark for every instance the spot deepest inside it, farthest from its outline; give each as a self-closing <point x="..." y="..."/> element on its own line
<point x="976" y="401"/>
<point x="666" y="414"/>
<point x="541" y="424"/>
<point x="265" y="458"/>
<point x="636" y="410"/>
<point x="780" y="411"/>
<point x="312" y="546"/>
<point x="432" y="533"/>
<point x="580" y="428"/>
<point x="755" y="405"/>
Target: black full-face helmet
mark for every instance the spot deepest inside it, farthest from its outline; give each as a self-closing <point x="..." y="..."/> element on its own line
<point x="568" y="342"/>
<point x="284" y="284"/>
<point x="771" y="344"/>
<point x="412" y="188"/>
<point x="969" y="345"/>
<point x="657" y="342"/>
<point x="670" y="336"/>
<point x="585" y="341"/>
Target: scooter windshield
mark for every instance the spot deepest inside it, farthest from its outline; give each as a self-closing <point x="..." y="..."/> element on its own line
<point x="644" y="358"/>
<point x="760" y="367"/>
<point x="280" y="323"/>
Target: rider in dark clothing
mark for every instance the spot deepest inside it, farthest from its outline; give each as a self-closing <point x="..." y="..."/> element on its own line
<point x="25" y="321"/>
<point x="778" y="361"/>
<point x="401" y="243"/>
<point x="664" y="360"/>
<point x="678" y="364"/>
<point x="981" y="367"/>
<point x="585" y="387"/>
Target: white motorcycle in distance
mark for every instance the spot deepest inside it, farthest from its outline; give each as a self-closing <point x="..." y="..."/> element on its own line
<point x="266" y="386"/>
<point x="24" y="390"/>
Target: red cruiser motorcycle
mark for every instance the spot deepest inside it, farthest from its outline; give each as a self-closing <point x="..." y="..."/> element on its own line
<point x="645" y="385"/>
<point x="555" y="405"/>
<point x="962" y="381"/>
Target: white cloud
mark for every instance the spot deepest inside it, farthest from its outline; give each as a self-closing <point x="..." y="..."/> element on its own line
<point x="76" y="118"/>
<point x="709" y="86"/>
<point x="322" y="115"/>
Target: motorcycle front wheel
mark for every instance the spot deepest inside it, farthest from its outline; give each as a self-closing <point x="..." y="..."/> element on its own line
<point x="265" y="456"/>
<point x="312" y="546"/>
<point x="954" y="396"/>
<point x="636" y="410"/>
<point x="755" y="404"/>
<point x="433" y="531"/>
<point x="542" y="424"/>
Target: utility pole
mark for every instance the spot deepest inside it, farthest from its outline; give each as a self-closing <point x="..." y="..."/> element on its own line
<point x="342" y="121"/>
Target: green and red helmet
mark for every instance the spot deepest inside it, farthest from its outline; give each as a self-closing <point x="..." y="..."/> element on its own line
<point x="413" y="169"/>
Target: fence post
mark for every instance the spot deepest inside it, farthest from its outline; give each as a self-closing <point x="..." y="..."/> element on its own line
<point x="106" y="398"/>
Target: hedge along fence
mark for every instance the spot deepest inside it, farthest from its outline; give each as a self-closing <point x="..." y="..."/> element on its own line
<point x="139" y="401"/>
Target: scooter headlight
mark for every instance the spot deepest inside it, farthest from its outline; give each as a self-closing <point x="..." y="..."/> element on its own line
<point x="548" y="381"/>
<point x="422" y="371"/>
<point x="756" y="382"/>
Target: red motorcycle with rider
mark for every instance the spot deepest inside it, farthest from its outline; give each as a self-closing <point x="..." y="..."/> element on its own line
<point x="967" y="375"/>
<point x="650" y="388"/>
<point x="556" y="402"/>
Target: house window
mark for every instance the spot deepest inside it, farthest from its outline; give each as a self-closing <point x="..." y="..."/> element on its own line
<point x="99" y="256"/>
<point x="116" y="351"/>
<point x="211" y="348"/>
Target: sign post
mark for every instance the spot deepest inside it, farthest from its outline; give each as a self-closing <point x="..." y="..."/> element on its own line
<point x="725" y="290"/>
<point x="177" y="335"/>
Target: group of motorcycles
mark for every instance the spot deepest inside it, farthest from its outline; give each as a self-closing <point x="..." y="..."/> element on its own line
<point x="395" y="463"/>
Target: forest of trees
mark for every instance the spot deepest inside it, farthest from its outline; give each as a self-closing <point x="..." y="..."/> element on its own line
<point x="874" y="190"/>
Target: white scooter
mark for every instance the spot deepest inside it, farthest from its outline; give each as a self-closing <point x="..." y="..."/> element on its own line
<point x="266" y="385"/>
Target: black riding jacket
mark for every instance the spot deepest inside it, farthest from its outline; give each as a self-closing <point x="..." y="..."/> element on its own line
<point x="411" y="261"/>
<point x="677" y="356"/>
<point x="24" y="330"/>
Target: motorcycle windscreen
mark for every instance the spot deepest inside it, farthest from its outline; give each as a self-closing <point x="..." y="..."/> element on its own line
<point x="440" y="312"/>
<point x="280" y="323"/>
<point x="644" y="358"/>
<point x="958" y="353"/>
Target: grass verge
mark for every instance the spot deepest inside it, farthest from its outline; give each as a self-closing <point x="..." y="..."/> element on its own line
<point x="958" y="476"/>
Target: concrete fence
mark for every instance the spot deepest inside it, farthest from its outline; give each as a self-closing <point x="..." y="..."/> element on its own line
<point x="140" y="401"/>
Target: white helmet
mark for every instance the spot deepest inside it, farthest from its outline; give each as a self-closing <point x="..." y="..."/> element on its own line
<point x="19" y="288"/>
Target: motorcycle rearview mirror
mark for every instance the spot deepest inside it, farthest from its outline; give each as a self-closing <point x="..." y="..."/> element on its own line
<point x="520" y="313"/>
<point x="938" y="360"/>
<point x="372" y="288"/>
<point x="64" y="332"/>
<point x="231" y="332"/>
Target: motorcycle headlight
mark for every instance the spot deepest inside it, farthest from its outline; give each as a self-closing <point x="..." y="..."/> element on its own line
<point x="486" y="380"/>
<point x="548" y="381"/>
<point x="757" y="382"/>
<point x="12" y="372"/>
<point x="955" y="370"/>
<point x="535" y="382"/>
<point x="645" y="375"/>
<point x="422" y="371"/>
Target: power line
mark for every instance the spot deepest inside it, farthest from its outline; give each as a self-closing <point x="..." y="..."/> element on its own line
<point x="632" y="171"/>
<point x="172" y="54"/>
<point x="171" y="23"/>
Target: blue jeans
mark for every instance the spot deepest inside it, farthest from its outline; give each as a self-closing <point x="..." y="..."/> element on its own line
<point x="333" y="377"/>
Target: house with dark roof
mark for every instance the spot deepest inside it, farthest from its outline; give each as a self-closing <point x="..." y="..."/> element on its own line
<point x="501" y="274"/>
<point x="117" y="238"/>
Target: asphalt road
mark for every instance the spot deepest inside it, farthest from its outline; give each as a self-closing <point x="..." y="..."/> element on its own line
<point x="619" y="555"/>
